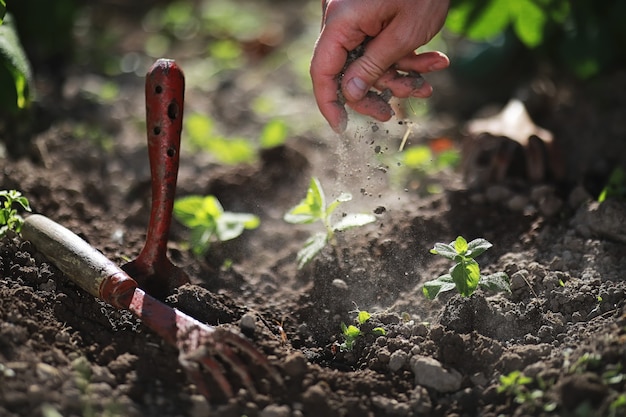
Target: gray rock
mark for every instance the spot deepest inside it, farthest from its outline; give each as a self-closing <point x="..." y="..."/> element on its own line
<point x="274" y="410"/>
<point x="430" y="373"/>
<point x="397" y="360"/>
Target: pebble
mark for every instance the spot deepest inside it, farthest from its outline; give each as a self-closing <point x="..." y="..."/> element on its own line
<point x="45" y="371"/>
<point x="517" y="203"/>
<point x="340" y="284"/>
<point x="274" y="410"/>
<point x="518" y="279"/>
<point x="199" y="406"/>
<point x="295" y="365"/>
<point x="397" y="360"/>
<point x="247" y="324"/>
<point x="497" y="193"/>
<point x="430" y="373"/>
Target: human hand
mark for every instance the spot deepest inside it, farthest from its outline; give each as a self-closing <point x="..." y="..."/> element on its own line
<point x="395" y="28"/>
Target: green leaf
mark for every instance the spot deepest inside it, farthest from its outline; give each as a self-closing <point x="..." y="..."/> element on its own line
<point x="379" y="331"/>
<point x="480" y="21"/>
<point x="312" y="247"/>
<point x="363" y="317"/>
<point x="311" y="208"/>
<point x="353" y="220"/>
<point x="343" y="197"/>
<point x="193" y="211"/>
<point x="445" y="250"/>
<point x="498" y="282"/>
<point x="529" y="20"/>
<point x="13" y="61"/>
<point x="466" y="275"/>
<point x="274" y="134"/>
<point x="3" y="10"/>
<point x="351" y="331"/>
<point x="460" y="245"/>
<point x="432" y="289"/>
<point x="476" y="247"/>
<point x="231" y="225"/>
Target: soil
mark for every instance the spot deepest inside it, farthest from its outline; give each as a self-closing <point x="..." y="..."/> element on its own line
<point x="63" y="352"/>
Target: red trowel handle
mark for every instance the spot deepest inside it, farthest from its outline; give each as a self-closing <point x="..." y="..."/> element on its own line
<point x="165" y="86"/>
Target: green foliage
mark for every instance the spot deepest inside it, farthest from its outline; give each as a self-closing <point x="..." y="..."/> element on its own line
<point x="418" y="164"/>
<point x="482" y="20"/>
<point x="584" y="36"/>
<point x="617" y="404"/>
<point x="274" y="134"/>
<point x="615" y="186"/>
<point x="352" y="332"/>
<point x="313" y="208"/>
<point x="15" y="72"/>
<point x="200" y="131"/>
<point x="465" y="275"/>
<point x="517" y="385"/>
<point x="208" y="221"/>
<point x="3" y="10"/>
<point x="9" y="219"/>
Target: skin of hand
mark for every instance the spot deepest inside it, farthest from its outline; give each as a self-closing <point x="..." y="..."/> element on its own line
<point x="395" y="28"/>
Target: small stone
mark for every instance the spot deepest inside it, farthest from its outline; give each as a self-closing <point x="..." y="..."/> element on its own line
<point x="274" y="410"/>
<point x="340" y="284"/>
<point x="397" y="360"/>
<point x="199" y="406"/>
<point x="550" y="206"/>
<point x="498" y="193"/>
<point x="519" y="280"/>
<point x="247" y="324"/>
<point x="430" y="373"/>
<point x="517" y="203"/>
<point x="295" y="365"/>
<point x="45" y="371"/>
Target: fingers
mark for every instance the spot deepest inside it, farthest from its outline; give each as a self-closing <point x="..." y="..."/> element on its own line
<point x="388" y="62"/>
<point x="405" y="79"/>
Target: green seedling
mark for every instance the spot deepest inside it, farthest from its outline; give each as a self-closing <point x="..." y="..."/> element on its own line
<point x="313" y="208"/>
<point x="202" y="135"/>
<point x="208" y="221"/>
<point x="615" y="186"/>
<point x="517" y="385"/>
<point x="9" y="219"/>
<point x="465" y="274"/>
<point x="352" y="332"/>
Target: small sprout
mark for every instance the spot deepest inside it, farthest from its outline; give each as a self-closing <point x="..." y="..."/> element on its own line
<point x="465" y="274"/>
<point x="208" y="221"/>
<point x="313" y="208"/>
<point x="9" y="219"/>
<point x="615" y="186"/>
<point x="352" y="332"/>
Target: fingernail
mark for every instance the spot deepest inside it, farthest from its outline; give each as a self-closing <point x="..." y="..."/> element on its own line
<point x="439" y="65"/>
<point x="356" y="88"/>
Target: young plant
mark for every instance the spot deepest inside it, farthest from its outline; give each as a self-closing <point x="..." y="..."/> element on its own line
<point x="208" y="221"/>
<point x="313" y="208"/>
<point x="352" y="332"/>
<point x="465" y="274"/>
<point x="9" y="219"/>
<point x="517" y="385"/>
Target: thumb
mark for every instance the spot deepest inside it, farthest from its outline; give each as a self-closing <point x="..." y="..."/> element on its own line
<point x="380" y="53"/>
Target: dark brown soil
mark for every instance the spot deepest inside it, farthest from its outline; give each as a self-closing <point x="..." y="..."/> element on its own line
<point x="62" y="352"/>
